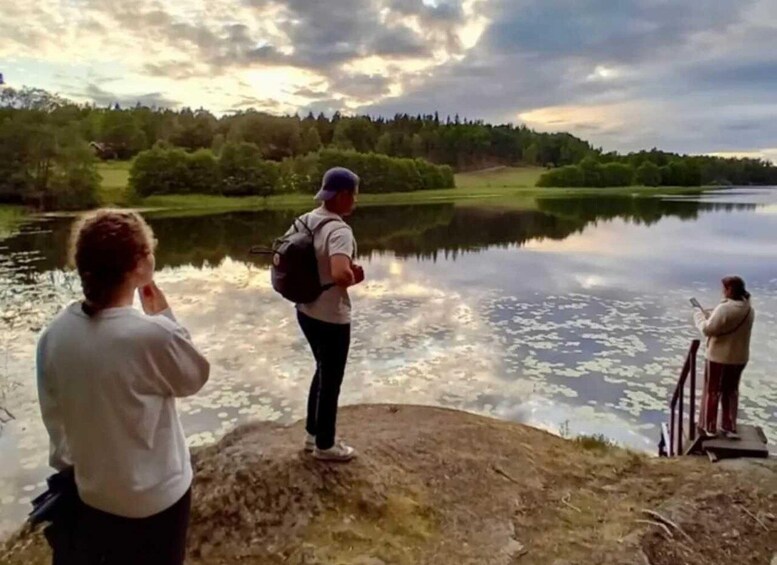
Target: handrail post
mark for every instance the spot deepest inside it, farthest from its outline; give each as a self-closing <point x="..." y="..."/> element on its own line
<point x="692" y="413"/>
<point x="681" y="402"/>
<point x="678" y="412"/>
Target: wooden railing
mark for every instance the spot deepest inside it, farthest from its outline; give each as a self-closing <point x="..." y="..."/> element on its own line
<point x="673" y="437"/>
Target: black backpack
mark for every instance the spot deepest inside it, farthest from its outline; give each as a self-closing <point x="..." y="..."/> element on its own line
<point x="294" y="268"/>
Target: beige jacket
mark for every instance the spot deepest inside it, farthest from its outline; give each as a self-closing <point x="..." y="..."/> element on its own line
<point x="728" y="329"/>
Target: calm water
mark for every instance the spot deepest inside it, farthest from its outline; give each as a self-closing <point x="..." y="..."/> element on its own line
<point x="574" y="318"/>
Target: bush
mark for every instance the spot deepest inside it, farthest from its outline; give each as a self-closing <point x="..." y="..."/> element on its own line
<point x="203" y="173"/>
<point x="241" y="171"/>
<point x="569" y="176"/>
<point x="245" y="173"/>
<point x="616" y="174"/>
<point x="299" y="174"/>
<point x="381" y="173"/>
<point x="593" y="175"/>
<point x="160" y="171"/>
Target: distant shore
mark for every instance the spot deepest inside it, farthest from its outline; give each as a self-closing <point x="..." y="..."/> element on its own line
<point x="504" y="187"/>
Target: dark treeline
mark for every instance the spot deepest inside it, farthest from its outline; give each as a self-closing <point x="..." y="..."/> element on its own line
<point x="46" y="158"/>
<point x="463" y="144"/>
<point x="659" y="168"/>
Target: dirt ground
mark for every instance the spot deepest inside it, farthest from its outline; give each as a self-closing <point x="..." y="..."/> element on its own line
<point x="435" y="486"/>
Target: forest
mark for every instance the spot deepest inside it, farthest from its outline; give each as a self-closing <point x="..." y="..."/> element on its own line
<point x="49" y="147"/>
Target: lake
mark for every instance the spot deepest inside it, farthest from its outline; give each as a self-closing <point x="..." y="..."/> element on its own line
<point x="573" y="316"/>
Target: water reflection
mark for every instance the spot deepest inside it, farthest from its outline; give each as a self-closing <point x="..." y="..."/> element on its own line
<point x="570" y="315"/>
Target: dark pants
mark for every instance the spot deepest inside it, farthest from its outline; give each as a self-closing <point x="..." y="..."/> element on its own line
<point x="330" y="344"/>
<point x="721" y="387"/>
<point x="100" y="538"/>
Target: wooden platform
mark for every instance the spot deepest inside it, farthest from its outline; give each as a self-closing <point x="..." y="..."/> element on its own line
<point x="752" y="444"/>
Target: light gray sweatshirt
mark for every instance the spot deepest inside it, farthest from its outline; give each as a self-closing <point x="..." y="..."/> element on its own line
<point x="107" y="387"/>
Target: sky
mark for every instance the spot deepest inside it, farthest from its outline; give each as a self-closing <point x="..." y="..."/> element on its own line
<point x="693" y="76"/>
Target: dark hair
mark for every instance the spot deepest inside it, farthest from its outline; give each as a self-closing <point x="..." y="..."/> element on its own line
<point x="105" y="246"/>
<point x="735" y="288"/>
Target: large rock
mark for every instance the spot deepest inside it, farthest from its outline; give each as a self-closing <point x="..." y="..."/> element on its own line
<point x="435" y="486"/>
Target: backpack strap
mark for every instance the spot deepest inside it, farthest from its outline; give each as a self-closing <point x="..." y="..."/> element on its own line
<point x="312" y="232"/>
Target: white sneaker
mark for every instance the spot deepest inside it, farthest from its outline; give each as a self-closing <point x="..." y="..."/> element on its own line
<point x="338" y="452"/>
<point x="310" y="443"/>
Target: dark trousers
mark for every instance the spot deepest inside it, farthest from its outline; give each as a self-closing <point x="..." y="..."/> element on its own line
<point x="100" y="538"/>
<point x="721" y="387"/>
<point x="330" y="344"/>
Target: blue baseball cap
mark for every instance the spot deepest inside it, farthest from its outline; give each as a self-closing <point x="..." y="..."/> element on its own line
<point x="336" y="180"/>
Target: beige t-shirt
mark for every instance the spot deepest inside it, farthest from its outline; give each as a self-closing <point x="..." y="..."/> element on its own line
<point x="333" y="238"/>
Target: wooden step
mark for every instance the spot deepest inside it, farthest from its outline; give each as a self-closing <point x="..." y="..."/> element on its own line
<point x="752" y="444"/>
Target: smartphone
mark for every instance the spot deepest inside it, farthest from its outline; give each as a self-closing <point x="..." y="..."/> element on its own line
<point x="695" y="303"/>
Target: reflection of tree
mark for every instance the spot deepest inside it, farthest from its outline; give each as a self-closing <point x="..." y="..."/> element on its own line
<point x="637" y="210"/>
<point x="471" y="229"/>
<point x="421" y="231"/>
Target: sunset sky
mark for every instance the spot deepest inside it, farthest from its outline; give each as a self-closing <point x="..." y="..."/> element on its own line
<point x="695" y="76"/>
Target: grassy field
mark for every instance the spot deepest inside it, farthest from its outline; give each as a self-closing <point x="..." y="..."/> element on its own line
<point x="500" y="186"/>
<point x="115" y="182"/>
<point x="500" y="177"/>
<point x="10" y="218"/>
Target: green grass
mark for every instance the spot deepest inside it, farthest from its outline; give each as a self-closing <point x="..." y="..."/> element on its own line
<point x="500" y="177"/>
<point x="10" y="219"/>
<point x="504" y="187"/>
<point x="115" y="182"/>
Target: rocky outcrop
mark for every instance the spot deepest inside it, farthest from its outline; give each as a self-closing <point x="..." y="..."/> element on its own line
<point x="438" y="486"/>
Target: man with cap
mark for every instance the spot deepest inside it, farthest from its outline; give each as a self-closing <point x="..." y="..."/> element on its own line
<point x="326" y="322"/>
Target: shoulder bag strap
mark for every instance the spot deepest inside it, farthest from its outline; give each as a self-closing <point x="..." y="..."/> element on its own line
<point x="739" y="325"/>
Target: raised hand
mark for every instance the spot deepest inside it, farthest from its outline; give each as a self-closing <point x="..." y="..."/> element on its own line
<point x="152" y="299"/>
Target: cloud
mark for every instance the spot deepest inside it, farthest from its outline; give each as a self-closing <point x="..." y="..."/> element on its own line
<point x="102" y="97"/>
<point x="687" y="75"/>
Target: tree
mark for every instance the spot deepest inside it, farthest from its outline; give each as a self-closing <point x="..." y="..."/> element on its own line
<point x="530" y="154"/>
<point x="74" y="179"/>
<point x="194" y="130"/>
<point x="43" y="165"/>
<point x="417" y="146"/>
<point x="383" y="144"/>
<point x="310" y="141"/>
<point x="648" y="174"/>
<point x="673" y="174"/>
<point x="121" y="133"/>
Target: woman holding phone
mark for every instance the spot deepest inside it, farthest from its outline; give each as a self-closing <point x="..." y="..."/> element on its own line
<point x="728" y="329"/>
<point x="108" y="376"/>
